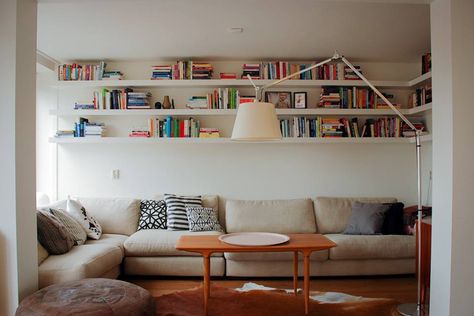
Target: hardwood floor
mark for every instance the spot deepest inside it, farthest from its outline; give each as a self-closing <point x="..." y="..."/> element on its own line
<point x="400" y="288"/>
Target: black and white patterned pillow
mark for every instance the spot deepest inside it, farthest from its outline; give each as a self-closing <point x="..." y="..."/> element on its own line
<point x="176" y="217"/>
<point x="152" y="214"/>
<point x="202" y="219"/>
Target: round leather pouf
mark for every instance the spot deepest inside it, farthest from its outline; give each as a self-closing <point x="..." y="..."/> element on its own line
<point x="89" y="297"/>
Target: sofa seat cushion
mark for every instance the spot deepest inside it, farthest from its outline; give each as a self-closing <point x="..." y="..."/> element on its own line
<point x="274" y="256"/>
<point x="85" y="261"/>
<point x="160" y="242"/>
<point x="333" y="213"/>
<point x="109" y="239"/>
<point x="275" y="216"/>
<point x="372" y="246"/>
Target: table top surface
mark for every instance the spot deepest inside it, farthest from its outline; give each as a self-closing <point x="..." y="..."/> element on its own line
<point x="211" y="243"/>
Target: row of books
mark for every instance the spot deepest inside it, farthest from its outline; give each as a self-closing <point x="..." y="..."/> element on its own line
<point x="87" y="72"/>
<point x="221" y="98"/>
<point x="83" y="128"/>
<point x="353" y="98"/>
<point x="280" y="69"/>
<point x="421" y="96"/>
<point x="172" y="127"/>
<point x="116" y="100"/>
<point x="182" y="70"/>
<point x="344" y="127"/>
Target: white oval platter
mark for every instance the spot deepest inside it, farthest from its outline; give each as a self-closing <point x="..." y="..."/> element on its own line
<point x="254" y="239"/>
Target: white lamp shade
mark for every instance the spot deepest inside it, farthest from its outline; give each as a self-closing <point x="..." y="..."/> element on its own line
<point x="256" y="121"/>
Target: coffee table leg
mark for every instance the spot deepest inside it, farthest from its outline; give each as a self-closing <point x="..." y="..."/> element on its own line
<point x="295" y="272"/>
<point x="207" y="285"/>
<point x="306" y="282"/>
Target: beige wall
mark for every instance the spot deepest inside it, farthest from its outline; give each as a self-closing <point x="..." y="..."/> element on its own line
<point x="18" y="267"/>
<point x="452" y="278"/>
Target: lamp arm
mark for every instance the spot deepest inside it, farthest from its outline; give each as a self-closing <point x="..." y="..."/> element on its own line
<point x="394" y="109"/>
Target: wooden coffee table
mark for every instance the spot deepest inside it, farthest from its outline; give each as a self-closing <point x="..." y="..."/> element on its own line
<point x="304" y="243"/>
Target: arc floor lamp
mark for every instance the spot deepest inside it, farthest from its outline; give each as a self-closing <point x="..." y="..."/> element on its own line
<point x="257" y="121"/>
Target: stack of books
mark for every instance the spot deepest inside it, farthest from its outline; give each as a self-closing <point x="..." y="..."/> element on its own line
<point x="201" y="71"/>
<point x="198" y="102"/>
<point x="421" y="96"/>
<point x="209" y="132"/>
<point x="164" y="72"/>
<point x="138" y="100"/>
<point x="332" y="127"/>
<point x="251" y="69"/>
<point x="330" y="98"/>
<point x="94" y="129"/>
<point x="139" y="133"/>
<point x="81" y="72"/>
<point x="112" y="75"/>
<point x="173" y="127"/>
<point x="84" y="128"/>
<point x="349" y="74"/>
<point x="408" y="132"/>
<point x="381" y="104"/>
<point x="64" y="133"/>
<point x="228" y="75"/>
<point x="84" y="106"/>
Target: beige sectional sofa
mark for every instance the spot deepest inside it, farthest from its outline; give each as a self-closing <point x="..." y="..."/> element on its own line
<point x="124" y="250"/>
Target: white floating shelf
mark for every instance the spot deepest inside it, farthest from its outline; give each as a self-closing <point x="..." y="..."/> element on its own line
<point x="216" y="112"/>
<point x="143" y="140"/>
<point x="237" y="83"/>
<point x="420" y="79"/>
<point x="418" y="109"/>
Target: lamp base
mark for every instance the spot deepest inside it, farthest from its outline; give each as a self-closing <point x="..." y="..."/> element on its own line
<point x="411" y="309"/>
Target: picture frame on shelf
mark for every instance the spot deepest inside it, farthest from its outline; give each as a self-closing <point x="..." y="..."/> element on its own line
<point x="300" y="100"/>
<point x="281" y="99"/>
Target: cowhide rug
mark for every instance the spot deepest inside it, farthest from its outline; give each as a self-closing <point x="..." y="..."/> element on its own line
<point x="256" y="300"/>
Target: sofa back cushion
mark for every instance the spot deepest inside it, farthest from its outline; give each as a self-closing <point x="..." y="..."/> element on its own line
<point x="115" y="215"/>
<point x="333" y="213"/>
<point x="276" y="216"/>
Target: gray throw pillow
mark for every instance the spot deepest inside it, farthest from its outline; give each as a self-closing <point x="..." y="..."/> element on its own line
<point x="366" y="219"/>
<point x="71" y="224"/>
<point x="52" y="234"/>
<point x="202" y="219"/>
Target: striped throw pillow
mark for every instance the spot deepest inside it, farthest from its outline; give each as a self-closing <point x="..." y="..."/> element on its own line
<point x="71" y="224"/>
<point x="176" y="217"/>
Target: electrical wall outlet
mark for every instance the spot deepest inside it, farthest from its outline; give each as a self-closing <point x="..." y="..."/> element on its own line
<point x="115" y="174"/>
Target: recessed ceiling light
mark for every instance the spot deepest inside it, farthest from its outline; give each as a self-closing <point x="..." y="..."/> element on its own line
<point x="235" y="29"/>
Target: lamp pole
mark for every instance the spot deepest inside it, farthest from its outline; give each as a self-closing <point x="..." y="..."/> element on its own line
<point x="413" y="309"/>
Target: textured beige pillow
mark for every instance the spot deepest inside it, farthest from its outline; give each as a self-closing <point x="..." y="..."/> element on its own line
<point x="72" y="225"/>
<point x="42" y="253"/>
<point x="52" y="234"/>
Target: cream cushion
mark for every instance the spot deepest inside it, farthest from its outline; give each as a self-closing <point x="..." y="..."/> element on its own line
<point x="42" y="253"/>
<point x="276" y="216"/>
<point x="372" y="246"/>
<point x="332" y="214"/>
<point x="159" y="242"/>
<point x="85" y="261"/>
<point x="273" y="256"/>
<point x="115" y="215"/>
<point x="109" y="239"/>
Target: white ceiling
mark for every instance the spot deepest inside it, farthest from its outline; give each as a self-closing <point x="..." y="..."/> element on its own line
<point x="296" y="29"/>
